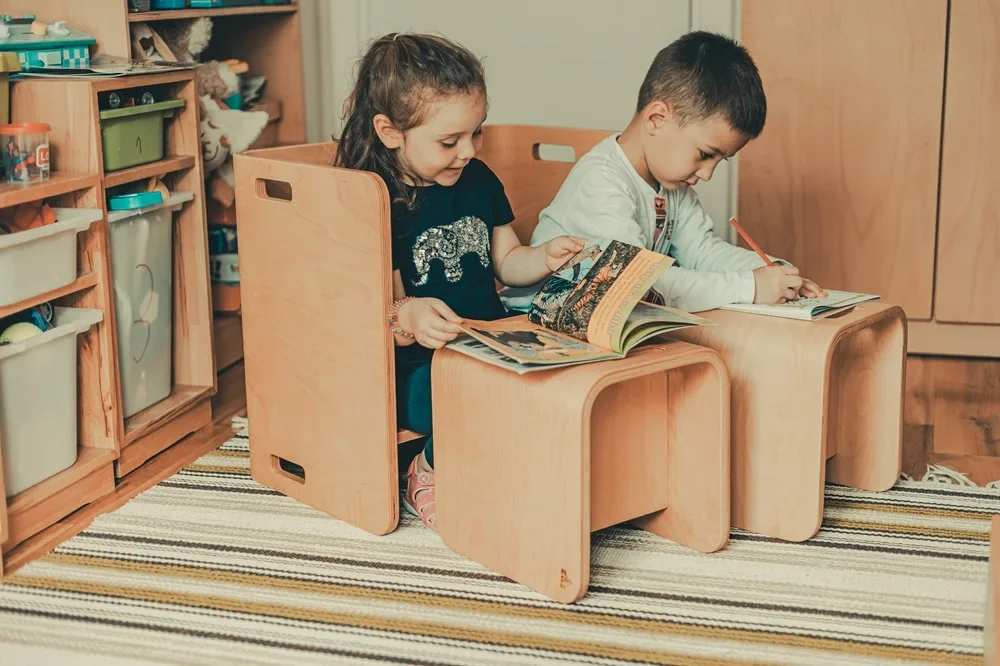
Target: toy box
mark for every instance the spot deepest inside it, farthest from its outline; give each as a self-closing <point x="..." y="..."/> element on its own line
<point x="38" y="400"/>
<point x="133" y="135"/>
<point x="41" y="46"/>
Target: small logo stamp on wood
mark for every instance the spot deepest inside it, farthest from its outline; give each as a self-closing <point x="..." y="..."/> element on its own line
<point x="564" y="579"/>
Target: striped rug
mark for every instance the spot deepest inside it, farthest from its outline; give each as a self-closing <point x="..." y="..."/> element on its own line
<point x="210" y="568"/>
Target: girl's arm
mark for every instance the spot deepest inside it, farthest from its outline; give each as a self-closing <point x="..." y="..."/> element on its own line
<point x="397" y="293"/>
<point x="520" y="266"/>
<point x="429" y="321"/>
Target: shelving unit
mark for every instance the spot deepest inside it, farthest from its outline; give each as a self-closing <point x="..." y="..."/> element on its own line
<point x="118" y="457"/>
<point x="91" y="477"/>
<point x="77" y="145"/>
<point x="146" y="171"/>
<point x="177" y="14"/>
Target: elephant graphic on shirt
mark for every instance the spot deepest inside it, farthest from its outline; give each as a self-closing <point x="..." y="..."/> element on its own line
<point x="448" y="244"/>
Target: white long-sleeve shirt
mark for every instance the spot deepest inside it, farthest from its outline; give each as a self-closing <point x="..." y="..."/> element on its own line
<point x="604" y="197"/>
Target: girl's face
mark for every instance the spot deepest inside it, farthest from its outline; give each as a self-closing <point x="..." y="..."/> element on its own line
<point x="437" y="150"/>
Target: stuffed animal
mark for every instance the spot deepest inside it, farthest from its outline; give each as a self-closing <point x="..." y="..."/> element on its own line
<point x="184" y="41"/>
<point x="226" y="131"/>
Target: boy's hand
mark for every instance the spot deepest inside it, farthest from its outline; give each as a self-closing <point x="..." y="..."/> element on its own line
<point x="776" y="284"/>
<point x="560" y="249"/>
<point x="810" y="289"/>
<point x="431" y="322"/>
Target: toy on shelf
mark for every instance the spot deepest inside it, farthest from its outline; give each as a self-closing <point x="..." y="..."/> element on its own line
<point x="26" y="151"/>
<point x="142" y="259"/>
<point x="117" y="99"/>
<point x="161" y="5"/>
<point x="38" y="246"/>
<point x="38" y="45"/>
<point x="39" y="397"/>
<point x="133" y="135"/>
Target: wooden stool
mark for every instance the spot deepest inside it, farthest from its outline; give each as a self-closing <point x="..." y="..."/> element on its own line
<point x="528" y="466"/>
<point x="811" y="401"/>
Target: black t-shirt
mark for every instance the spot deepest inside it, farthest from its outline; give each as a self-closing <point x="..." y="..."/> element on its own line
<point x="442" y="247"/>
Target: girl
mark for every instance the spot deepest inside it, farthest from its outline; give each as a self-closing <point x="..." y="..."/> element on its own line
<point x="415" y="118"/>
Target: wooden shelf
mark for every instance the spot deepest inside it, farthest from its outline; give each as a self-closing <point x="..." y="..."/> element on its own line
<point x="85" y="281"/>
<point x="59" y="182"/>
<point x="152" y="417"/>
<point x="143" y="171"/>
<point x="175" y="14"/>
<point x="88" y="460"/>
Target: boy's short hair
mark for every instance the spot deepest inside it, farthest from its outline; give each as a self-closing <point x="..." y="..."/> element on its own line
<point x="702" y="75"/>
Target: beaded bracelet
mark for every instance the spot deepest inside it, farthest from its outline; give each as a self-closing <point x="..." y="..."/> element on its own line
<point x="393" y="318"/>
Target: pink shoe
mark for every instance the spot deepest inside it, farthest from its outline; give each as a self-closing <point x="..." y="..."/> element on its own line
<point x="419" y="497"/>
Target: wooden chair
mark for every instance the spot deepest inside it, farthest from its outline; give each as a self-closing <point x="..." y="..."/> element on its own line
<point x="618" y="445"/>
<point x="315" y="275"/>
<point x="810" y="400"/>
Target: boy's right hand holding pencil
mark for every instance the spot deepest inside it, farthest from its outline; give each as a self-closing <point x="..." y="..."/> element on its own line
<point x="774" y="283"/>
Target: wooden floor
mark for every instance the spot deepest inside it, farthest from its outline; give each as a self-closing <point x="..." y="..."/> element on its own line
<point x="952" y="417"/>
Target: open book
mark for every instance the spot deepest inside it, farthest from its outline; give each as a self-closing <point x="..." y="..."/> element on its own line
<point x="807" y="308"/>
<point x="588" y="310"/>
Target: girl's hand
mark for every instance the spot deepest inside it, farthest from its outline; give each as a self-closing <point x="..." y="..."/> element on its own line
<point x="560" y="249"/>
<point x="810" y="289"/>
<point x="431" y="322"/>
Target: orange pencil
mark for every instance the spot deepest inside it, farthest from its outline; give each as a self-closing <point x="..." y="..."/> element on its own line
<point x="746" y="237"/>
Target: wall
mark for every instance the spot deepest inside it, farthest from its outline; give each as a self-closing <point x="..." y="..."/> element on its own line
<point x="547" y="62"/>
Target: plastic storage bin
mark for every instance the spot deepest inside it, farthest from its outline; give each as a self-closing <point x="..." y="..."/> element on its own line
<point x="142" y="270"/>
<point x="38" y="260"/>
<point x="133" y="135"/>
<point x="159" y="5"/>
<point x="38" y="401"/>
<point x="26" y="151"/>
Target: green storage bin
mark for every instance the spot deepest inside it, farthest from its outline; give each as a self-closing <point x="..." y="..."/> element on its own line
<point x="134" y="135"/>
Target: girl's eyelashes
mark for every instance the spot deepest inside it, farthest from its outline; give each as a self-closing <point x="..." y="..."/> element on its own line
<point x="446" y="144"/>
<point x="704" y="155"/>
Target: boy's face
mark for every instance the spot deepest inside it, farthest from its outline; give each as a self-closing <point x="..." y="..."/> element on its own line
<point x="679" y="155"/>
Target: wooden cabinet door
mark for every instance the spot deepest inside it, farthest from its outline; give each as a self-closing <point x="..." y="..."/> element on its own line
<point x="968" y="247"/>
<point x="843" y="181"/>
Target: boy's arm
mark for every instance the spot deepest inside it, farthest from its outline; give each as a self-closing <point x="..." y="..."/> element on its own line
<point x="696" y="291"/>
<point x="597" y="208"/>
<point x="696" y="246"/>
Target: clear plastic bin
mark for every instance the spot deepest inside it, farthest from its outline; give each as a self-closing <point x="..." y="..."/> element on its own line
<point x="26" y="151"/>
<point x="142" y="269"/>
<point x="38" y="401"/>
<point x="36" y="261"/>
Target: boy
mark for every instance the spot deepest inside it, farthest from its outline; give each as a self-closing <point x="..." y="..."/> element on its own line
<point x="701" y="101"/>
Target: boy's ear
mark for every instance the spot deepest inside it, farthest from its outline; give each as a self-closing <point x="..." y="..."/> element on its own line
<point x="387" y="133"/>
<point x="656" y="115"/>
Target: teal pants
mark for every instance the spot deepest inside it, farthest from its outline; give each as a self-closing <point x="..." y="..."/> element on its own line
<point x="413" y="401"/>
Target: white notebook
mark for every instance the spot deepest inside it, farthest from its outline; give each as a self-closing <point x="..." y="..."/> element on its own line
<point x="808" y="309"/>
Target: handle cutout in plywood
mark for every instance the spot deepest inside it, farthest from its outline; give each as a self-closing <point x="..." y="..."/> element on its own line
<point x="289" y="469"/>
<point x="551" y="152"/>
<point x="273" y="189"/>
